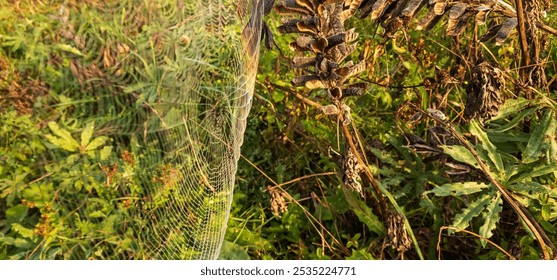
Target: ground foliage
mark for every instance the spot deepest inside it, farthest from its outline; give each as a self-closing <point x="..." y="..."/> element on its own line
<point x="444" y="127"/>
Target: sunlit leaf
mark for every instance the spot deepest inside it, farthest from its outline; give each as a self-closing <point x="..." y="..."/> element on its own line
<point x="70" y="49"/>
<point x="23" y="231"/>
<point x="537" y="171"/>
<point x="491" y="150"/>
<point x="16" y="214"/>
<point x="458" y="189"/>
<point x="511" y="106"/>
<point x="66" y="141"/>
<point x="86" y="134"/>
<point x="491" y="217"/>
<point x="533" y="150"/>
<point x="514" y="121"/>
<point x="461" y="154"/>
<point x="474" y="209"/>
<point x="97" y="142"/>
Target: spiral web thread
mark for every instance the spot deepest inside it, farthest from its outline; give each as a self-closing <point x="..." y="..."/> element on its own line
<point x="172" y="81"/>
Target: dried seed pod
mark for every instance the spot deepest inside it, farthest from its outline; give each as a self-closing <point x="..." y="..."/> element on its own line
<point x="366" y="8"/>
<point x="457" y="168"/>
<point x="438" y="135"/>
<point x="439" y="7"/>
<point x="353" y="6"/>
<point x="302" y="62"/>
<point x="347" y="72"/>
<point x="335" y="40"/>
<point x="267" y="36"/>
<point x="304" y="42"/>
<point x="379" y="8"/>
<point x="350" y="35"/>
<point x="351" y="169"/>
<point x="278" y="202"/>
<point x="335" y="93"/>
<point x="289" y="26"/>
<point x="481" y="16"/>
<point x="428" y="21"/>
<point x="484" y="92"/>
<point x="456" y="27"/>
<point x="500" y="32"/>
<point x="346" y="114"/>
<point x="457" y="10"/>
<point x="307" y="27"/>
<point x="412" y="8"/>
<point x="310" y="5"/>
<point x="302" y="80"/>
<point x="330" y="110"/>
<point x="319" y="45"/>
<point x="290" y="7"/>
<point x="437" y="114"/>
<point x="396" y="231"/>
<point x="313" y="84"/>
<point x="503" y="33"/>
<point x="354" y="90"/>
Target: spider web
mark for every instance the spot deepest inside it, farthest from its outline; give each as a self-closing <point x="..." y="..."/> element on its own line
<point x="198" y="121"/>
<point x="172" y="82"/>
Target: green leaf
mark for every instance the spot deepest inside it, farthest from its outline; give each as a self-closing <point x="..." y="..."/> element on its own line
<point x="460" y="153"/>
<point x="533" y="150"/>
<point x="511" y="106"/>
<point x="16" y="214"/>
<point x="23" y="231"/>
<point x="278" y="96"/>
<point x="458" y="189"/>
<point x="539" y="170"/>
<point x="491" y="150"/>
<point x="511" y="136"/>
<point x="17" y="242"/>
<point x="86" y="134"/>
<point x="70" y="49"/>
<point x="547" y="226"/>
<point x="105" y="152"/>
<point x="364" y="213"/>
<point x="232" y="251"/>
<point x="65" y="140"/>
<point x="515" y="121"/>
<point x="527" y="188"/>
<point x="97" y="214"/>
<point x="462" y="220"/>
<point x="491" y="217"/>
<point x="97" y="142"/>
<point x="546" y="212"/>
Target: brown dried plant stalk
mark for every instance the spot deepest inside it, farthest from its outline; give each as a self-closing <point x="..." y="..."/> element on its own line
<point x="323" y="47"/>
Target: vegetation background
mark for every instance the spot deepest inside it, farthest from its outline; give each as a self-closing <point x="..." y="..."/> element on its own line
<point x="456" y="140"/>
